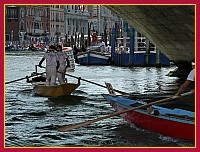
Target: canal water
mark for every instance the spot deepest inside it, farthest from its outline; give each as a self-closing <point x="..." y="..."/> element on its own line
<point x="32" y="120"/>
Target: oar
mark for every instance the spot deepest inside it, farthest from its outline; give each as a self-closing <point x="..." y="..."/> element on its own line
<point x="121" y="92"/>
<point x="77" y="125"/>
<point x="24" y="78"/>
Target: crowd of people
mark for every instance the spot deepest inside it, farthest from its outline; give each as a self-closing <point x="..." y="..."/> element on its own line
<point x="56" y="64"/>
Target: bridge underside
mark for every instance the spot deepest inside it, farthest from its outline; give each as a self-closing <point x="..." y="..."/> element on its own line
<point x="170" y="27"/>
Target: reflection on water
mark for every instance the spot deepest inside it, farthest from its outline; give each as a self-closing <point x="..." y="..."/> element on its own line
<point x="32" y="120"/>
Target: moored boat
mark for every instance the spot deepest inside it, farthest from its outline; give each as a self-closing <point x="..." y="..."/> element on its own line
<point x="175" y="123"/>
<point x="93" y="56"/>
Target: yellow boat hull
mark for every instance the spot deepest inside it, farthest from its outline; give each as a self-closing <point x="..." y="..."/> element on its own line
<point x="55" y="91"/>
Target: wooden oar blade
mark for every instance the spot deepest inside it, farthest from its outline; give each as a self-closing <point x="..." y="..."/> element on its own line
<point x="81" y="124"/>
<point x="77" y="125"/>
<point x="70" y="127"/>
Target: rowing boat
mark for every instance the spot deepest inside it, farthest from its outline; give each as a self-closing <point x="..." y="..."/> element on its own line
<point x="42" y="89"/>
<point x="177" y="123"/>
<point x="93" y="56"/>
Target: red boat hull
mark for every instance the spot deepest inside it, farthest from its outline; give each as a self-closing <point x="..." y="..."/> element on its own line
<point x="163" y="126"/>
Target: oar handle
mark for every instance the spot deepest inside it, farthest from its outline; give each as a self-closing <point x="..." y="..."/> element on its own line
<point x="73" y="126"/>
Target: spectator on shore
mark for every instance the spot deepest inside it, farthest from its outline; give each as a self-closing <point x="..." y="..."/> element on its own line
<point x="94" y="39"/>
<point x="102" y="46"/>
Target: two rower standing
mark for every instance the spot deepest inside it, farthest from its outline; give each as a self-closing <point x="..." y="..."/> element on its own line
<point x="56" y="63"/>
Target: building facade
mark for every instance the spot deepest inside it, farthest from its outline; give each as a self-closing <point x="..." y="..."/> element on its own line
<point x="56" y="23"/>
<point x="101" y="18"/>
<point x="12" y="14"/>
<point x="28" y="24"/>
<point x="76" y="19"/>
<point x="35" y="23"/>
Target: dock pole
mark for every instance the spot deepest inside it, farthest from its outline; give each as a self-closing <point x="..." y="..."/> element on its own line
<point x="113" y="45"/>
<point x="132" y="44"/>
<point x="158" y="64"/>
<point x="147" y="59"/>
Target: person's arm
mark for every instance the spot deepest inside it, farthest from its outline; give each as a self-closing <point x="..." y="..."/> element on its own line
<point x="183" y="86"/>
<point x="40" y="63"/>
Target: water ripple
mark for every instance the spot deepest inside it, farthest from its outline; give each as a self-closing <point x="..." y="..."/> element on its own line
<point x="32" y="120"/>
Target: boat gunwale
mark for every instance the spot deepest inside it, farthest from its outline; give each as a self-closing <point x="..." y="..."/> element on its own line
<point x="166" y="116"/>
<point x="38" y="89"/>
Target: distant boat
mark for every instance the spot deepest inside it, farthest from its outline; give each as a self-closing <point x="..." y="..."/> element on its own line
<point x="93" y="56"/>
<point x="41" y="89"/>
<point x="38" y="47"/>
<point x="175" y="123"/>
